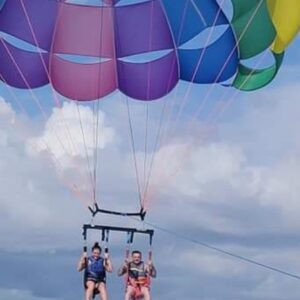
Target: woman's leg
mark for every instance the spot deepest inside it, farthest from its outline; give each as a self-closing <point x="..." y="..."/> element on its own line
<point x="90" y="285"/>
<point x="103" y="291"/>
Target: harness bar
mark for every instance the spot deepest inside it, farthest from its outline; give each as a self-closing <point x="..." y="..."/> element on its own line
<point x="106" y="229"/>
<point x="94" y="211"/>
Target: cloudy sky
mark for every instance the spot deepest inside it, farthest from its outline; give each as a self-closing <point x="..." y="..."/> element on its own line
<point x="228" y="179"/>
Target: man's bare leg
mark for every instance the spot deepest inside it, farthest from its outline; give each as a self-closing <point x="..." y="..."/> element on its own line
<point x="146" y="293"/>
<point x="129" y="293"/>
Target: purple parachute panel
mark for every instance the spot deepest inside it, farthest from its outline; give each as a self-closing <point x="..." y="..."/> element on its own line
<point x="148" y="81"/>
<point x="84" y="30"/>
<point x="141" y="28"/>
<point x="30" y="20"/>
<point x="21" y="68"/>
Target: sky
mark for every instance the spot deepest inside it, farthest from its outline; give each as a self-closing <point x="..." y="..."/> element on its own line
<point x="229" y="180"/>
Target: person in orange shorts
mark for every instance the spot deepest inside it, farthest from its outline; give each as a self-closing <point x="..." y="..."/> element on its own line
<point x="138" y="274"/>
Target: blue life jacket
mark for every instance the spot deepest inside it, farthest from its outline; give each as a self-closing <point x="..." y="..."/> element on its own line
<point x="95" y="269"/>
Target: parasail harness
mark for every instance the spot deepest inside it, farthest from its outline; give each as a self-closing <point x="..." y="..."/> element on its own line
<point x="136" y="276"/>
<point x="96" y="209"/>
<point x="137" y="280"/>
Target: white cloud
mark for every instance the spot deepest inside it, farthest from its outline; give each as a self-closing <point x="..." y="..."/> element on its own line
<point x="235" y="184"/>
<point x="31" y="194"/>
<point x="73" y="132"/>
<point x="71" y="139"/>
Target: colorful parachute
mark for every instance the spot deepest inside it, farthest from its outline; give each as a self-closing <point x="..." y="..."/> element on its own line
<point x="266" y="25"/>
<point x="114" y="32"/>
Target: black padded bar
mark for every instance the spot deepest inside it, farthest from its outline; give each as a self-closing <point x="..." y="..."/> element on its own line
<point x="149" y="232"/>
<point x="97" y="210"/>
<point x="131" y="230"/>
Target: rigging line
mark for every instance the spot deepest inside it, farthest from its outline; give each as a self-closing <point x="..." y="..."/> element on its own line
<point x="147" y="104"/>
<point x="160" y="136"/>
<point x="173" y="101"/>
<point x="54" y="161"/>
<point x="96" y="152"/>
<point x="166" y="108"/>
<point x="96" y="148"/>
<point x="194" y="117"/>
<point x="153" y="156"/>
<point x="163" y="137"/>
<point x="16" y="100"/>
<point x="145" y="151"/>
<point x="116" y="36"/>
<point x="224" y="105"/>
<point x="85" y="146"/>
<point x="196" y="69"/>
<point x="198" y="11"/>
<point x="71" y="186"/>
<point x="220" y="250"/>
<point x="219" y="110"/>
<point x="94" y="144"/>
<point x="167" y="132"/>
<point x="55" y="97"/>
<point x="212" y="87"/>
<point x="33" y="95"/>
<point x="57" y="164"/>
<point x="217" y="113"/>
<point x="134" y="152"/>
<point x="96" y="155"/>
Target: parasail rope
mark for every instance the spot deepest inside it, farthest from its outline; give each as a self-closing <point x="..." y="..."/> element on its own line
<point x="133" y="145"/>
<point x="172" y="110"/>
<point x="160" y="138"/>
<point x="216" y="114"/>
<point x="96" y="133"/>
<point x="85" y="144"/>
<point x="167" y="108"/>
<point x="55" y="96"/>
<point x="225" y="252"/>
<point x="134" y="152"/>
<point x="34" y="97"/>
<point x="194" y="117"/>
<point x="212" y="87"/>
<point x="54" y="161"/>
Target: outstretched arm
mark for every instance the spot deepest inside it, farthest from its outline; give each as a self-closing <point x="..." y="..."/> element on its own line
<point x="151" y="270"/>
<point x="107" y="263"/>
<point x="82" y="262"/>
<point x="123" y="269"/>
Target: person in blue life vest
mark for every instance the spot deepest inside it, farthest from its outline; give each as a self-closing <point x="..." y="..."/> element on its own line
<point x="95" y="268"/>
<point x="138" y="275"/>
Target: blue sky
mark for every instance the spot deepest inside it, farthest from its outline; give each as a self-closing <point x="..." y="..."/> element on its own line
<point x="237" y="189"/>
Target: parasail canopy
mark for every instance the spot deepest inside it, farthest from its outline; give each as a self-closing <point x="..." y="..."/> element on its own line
<point x="113" y="32"/>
